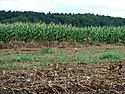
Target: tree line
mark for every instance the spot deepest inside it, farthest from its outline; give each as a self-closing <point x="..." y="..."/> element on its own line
<point x="79" y="20"/>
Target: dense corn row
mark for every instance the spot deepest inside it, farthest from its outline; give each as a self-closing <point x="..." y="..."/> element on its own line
<point x="52" y="32"/>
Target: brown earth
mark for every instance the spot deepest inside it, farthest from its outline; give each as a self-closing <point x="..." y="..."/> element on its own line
<point x="105" y="78"/>
<point x="64" y="79"/>
<point x="31" y="47"/>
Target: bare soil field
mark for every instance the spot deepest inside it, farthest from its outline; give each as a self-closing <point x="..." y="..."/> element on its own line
<point x="64" y="79"/>
<point x="101" y="78"/>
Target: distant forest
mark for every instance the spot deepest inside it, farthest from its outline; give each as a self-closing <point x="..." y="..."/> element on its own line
<point x="79" y="20"/>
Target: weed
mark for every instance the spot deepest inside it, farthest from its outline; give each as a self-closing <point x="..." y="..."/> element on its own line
<point x="1" y="44"/>
<point x="2" y="59"/>
<point x="48" y="50"/>
<point x="21" y="57"/>
<point x="111" y="55"/>
<point x="8" y="65"/>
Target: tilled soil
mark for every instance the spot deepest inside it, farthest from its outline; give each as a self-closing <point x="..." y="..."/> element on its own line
<point x="64" y="79"/>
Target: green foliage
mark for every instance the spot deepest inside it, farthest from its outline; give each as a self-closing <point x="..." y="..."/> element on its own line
<point x="1" y="44"/>
<point x="53" y="32"/>
<point x="111" y="55"/>
<point x="87" y="58"/>
<point x="63" y="57"/>
<point x="8" y="65"/>
<point x="92" y="58"/>
<point x="2" y="59"/>
<point x="21" y="58"/>
<point x="48" y="50"/>
<point x="58" y="57"/>
<point x="79" y="20"/>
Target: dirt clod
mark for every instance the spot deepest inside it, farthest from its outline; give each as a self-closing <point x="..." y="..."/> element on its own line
<point x="64" y="80"/>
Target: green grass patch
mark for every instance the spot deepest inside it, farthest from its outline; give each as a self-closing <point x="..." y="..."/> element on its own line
<point x="2" y="59"/>
<point x="88" y="58"/>
<point x="47" y="57"/>
<point x="63" y="57"/>
<point x="93" y="58"/>
<point x="50" y="57"/>
<point x="8" y="65"/>
<point x="111" y="55"/>
<point x="21" y="58"/>
<point x="48" y="50"/>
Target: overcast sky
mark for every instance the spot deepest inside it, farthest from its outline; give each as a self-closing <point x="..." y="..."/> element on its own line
<point x="114" y="8"/>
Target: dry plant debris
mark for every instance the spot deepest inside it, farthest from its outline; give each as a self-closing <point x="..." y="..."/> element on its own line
<point x="64" y="79"/>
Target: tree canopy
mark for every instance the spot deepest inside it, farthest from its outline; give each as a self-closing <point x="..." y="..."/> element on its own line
<point x="79" y="20"/>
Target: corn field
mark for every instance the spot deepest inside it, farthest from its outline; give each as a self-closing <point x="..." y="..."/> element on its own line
<point x="53" y="32"/>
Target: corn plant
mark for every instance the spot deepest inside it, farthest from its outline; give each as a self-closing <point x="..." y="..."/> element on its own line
<point x="53" y="32"/>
